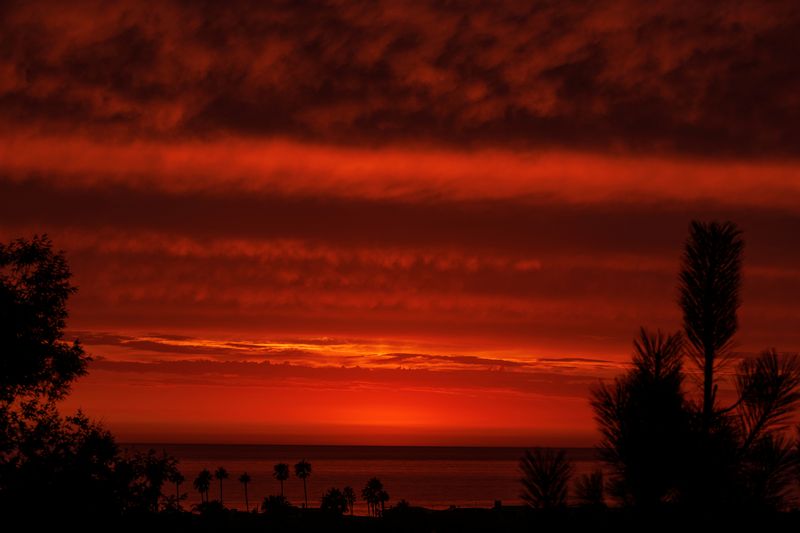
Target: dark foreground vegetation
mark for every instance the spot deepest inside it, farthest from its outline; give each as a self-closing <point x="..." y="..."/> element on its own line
<point x="676" y="455"/>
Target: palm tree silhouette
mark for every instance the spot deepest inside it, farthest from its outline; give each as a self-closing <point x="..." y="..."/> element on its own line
<point x="244" y="479"/>
<point x="350" y="498"/>
<point x="203" y="483"/>
<point x="176" y="477"/>
<point x="709" y="297"/>
<point x="373" y="494"/>
<point x="221" y="474"/>
<point x="303" y="470"/>
<point x="281" y="473"/>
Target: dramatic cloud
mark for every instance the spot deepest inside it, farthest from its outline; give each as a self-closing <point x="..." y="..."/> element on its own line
<point x="451" y="215"/>
<point x="669" y="76"/>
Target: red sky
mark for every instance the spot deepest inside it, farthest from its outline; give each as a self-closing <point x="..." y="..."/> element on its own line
<point x="395" y="223"/>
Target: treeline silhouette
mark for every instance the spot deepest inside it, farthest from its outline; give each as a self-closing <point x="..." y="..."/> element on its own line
<point x="668" y="439"/>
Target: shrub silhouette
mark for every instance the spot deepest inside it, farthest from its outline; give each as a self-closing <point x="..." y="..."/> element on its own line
<point x="644" y="422"/>
<point x="546" y="475"/>
<point x="590" y="490"/>
<point x="275" y="505"/>
<point x="334" y="502"/>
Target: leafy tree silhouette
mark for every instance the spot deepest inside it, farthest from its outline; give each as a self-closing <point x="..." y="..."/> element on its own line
<point x="221" y="474"/>
<point x="245" y="479"/>
<point x="546" y="474"/>
<point x="34" y="288"/>
<point x="71" y="462"/>
<point x="281" y="473"/>
<point x="203" y="483"/>
<point x="303" y="470"/>
<point x="152" y="471"/>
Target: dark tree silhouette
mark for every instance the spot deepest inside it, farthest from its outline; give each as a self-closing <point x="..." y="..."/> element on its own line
<point x="178" y="479"/>
<point x="710" y="281"/>
<point x="374" y="494"/>
<point x="545" y="478"/>
<point x="70" y="462"/>
<point x="334" y="502"/>
<point x="152" y="471"/>
<point x="350" y="498"/>
<point x="244" y="479"/>
<point x="590" y="489"/>
<point x="203" y="483"/>
<point x="221" y="474"/>
<point x="34" y="288"/>
<point x="281" y="473"/>
<point x="275" y="505"/>
<point x="644" y="422"/>
<point x="303" y="470"/>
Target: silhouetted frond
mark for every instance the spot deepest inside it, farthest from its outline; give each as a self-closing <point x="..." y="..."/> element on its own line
<point x="546" y="474"/>
<point x="658" y="356"/>
<point x="769" y="470"/>
<point x="769" y="391"/>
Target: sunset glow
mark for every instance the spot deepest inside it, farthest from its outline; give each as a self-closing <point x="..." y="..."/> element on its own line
<point x="392" y="224"/>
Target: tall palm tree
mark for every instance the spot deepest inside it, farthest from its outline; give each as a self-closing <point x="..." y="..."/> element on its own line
<point x="350" y="498"/>
<point x="221" y="474"/>
<point x="244" y="479"/>
<point x="710" y="280"/>
<point x="281" y="473"/>
<point x="203" y="483"/>
<point x="176" y="477"/>
<point x="303" y="470"/>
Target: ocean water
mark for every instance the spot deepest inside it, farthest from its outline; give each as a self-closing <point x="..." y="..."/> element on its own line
<point x="433" y="477"/>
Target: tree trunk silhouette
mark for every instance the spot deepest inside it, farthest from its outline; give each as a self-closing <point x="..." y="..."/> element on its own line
<point x="246" y="501"/>
<point x="305" y="493"/>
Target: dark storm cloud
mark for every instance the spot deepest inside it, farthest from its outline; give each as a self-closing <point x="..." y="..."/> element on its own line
<point x="711" y="78"/>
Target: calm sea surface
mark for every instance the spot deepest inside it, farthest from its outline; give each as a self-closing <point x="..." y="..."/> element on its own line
<point x="433" y="477"/>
